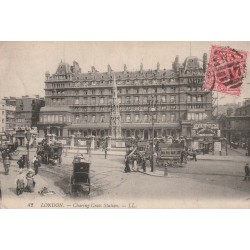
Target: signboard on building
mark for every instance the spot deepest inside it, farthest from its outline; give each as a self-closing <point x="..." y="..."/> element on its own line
<point x="214" y="126"/>
<point x="217" y="146"/>
<point x="120" y="144"/>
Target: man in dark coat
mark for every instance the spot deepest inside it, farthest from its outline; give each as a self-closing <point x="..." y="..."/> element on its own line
<point x="21" y="162"/>
<point x="247" y="172"/>
<point x="127" y="167"/>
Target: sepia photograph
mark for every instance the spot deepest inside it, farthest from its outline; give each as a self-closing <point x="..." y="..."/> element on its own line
<point x="129" y="125"/>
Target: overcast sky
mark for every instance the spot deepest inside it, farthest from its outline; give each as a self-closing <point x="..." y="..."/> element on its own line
<point x="23" y="64"/>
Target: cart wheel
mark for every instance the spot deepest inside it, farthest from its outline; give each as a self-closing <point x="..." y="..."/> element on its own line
<point x="89" y="185"/>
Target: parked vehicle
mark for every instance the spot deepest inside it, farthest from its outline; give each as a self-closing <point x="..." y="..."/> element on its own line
<point x="81" y="174"/>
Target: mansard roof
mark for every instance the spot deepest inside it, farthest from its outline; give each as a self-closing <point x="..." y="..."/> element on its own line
<point x="63" y="68"/>
<point x="191" y="62"/>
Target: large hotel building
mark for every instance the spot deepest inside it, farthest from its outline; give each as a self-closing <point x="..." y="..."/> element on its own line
<point x="79" y="103"/>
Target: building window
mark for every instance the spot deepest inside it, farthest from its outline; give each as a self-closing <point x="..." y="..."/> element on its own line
<point x="60" y="118"/>
<point x="85" y="118"/>
<point x="128" y="118"/>
<point x="145" y="99"/>
<point x="194" y="98"/>
<point x="172" y="98"/>
<point x="188" y="116"/>
<point x="173" y="89"/>
<point x="76" y="101"/>
<point x="128" y="99"/>
<point x="172" y="117"/>
<point x="119" y="100"/>
<point x="137" y="118"/>
<point x="172" y="107"/>
<point x="93" y="91"/>
<point x="145" y="118"/>
<point x="93" y="118"/>
<point x="188" y="98"/>
<point x="199" y="98"/>
<point x="163" y="118"/>
<point x="163" y="98"/>
<point x="101" y="100"/>
<point x="102" y="118"/>
<point x="93" y="100"/>
<point x="137" y="99"/>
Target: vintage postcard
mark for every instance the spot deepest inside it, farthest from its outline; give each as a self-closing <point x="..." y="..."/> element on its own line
<point x="124" y="125"/>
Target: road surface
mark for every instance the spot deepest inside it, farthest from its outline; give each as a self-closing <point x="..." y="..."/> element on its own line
<point x="204" y="183"/>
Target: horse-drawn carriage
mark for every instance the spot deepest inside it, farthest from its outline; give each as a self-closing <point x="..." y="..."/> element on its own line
<point x="10" y="147"/>
<point x="170" y="155"/>
<point x="50" y="153"/>
<point x="81" y="174"/>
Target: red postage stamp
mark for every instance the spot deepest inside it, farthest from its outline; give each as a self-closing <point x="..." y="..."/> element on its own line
<point x="226" y="70"/>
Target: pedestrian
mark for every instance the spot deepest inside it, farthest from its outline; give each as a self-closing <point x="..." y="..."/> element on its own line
<point x="106" y="152"/>
<point x="194" y="156"/>
<point x="34" y="159"/>
<point x="247" y="172"/>
<point x="182" y="155"/>
<point x="30" y="181"/>
<point x="144" y="164"/>
<point x="127" y="167"/>
<point x="21" y="163"/>
<point x="133" y="163"/>
<point x="136" y="165"/>
<point x="147" y="164"/>
<point x="36" y="165"/>
<point x="6" y="163"/>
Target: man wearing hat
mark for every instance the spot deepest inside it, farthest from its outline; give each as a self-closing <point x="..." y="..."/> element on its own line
<point x="247" y="172"/>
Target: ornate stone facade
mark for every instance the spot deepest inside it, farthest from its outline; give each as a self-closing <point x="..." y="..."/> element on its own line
<point x="81" y="103"/>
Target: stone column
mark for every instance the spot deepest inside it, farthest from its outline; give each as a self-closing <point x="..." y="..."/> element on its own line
<point x="72" y="142"/>
<point x="92" y="142"/>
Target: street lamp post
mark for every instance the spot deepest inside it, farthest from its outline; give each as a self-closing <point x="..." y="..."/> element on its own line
<point x="28" y="137"/>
